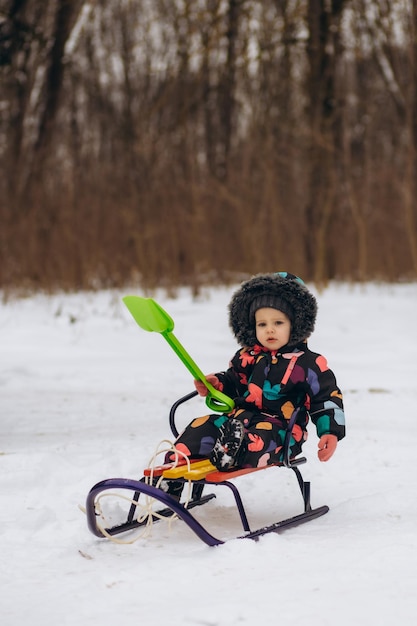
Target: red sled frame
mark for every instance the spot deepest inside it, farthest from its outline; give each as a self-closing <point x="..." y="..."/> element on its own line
<point x="214" y="478"/>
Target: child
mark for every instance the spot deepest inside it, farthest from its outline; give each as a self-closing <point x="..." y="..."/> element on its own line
<point x="273" y="378"/>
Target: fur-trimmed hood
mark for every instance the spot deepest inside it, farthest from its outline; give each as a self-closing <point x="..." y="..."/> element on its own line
<point x="270" y="290"/>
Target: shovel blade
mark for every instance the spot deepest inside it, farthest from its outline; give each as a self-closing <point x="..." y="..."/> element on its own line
<point x="149" y="315"/>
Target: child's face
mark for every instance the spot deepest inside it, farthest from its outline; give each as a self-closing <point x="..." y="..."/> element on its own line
<point x="273" y="328"/>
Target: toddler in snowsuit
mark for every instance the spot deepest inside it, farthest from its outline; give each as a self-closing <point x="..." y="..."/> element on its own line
<point x="274" y="380"/>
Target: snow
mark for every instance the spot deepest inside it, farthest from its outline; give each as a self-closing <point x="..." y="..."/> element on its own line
<point x="85" y="395"/>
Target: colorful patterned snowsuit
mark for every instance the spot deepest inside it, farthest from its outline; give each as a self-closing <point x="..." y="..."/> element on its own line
<point x="270" y="389"/>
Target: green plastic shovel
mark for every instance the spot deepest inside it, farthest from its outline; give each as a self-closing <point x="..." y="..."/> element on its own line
<point x="150" y="316"/>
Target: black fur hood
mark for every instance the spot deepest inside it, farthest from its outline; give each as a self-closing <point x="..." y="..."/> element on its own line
<point x="281" y="290"/>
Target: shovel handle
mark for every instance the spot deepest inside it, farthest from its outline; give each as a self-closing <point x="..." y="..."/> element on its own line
<point x="215" y="399"/>
<point x="214" y="404"/>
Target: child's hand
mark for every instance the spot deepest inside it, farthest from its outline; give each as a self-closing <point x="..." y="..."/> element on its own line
<point x="202" y="389"/>
<point x="327" y="445"/>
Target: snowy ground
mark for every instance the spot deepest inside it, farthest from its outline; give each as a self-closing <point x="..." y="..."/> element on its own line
<point x="84" y="395"/>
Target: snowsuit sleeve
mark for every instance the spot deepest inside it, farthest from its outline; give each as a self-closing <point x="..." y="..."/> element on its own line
<point x="326" y="400"/>
<point x="234" y="381"/>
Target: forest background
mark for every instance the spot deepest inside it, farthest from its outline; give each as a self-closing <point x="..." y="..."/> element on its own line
<point x="191" y="142"/>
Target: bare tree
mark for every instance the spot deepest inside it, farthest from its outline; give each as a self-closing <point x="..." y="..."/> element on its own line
<point x="323" y="49"/>
<point x="411" y="170"/>
<point x="66" y="14"/>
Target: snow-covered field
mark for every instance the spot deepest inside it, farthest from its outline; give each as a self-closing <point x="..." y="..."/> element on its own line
<point x="85" y="394"/>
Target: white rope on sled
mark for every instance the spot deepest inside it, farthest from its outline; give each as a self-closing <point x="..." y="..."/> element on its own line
<point x="146" y="514"/>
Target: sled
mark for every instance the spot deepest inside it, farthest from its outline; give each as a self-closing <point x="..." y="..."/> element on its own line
<point x="202" y="475"/>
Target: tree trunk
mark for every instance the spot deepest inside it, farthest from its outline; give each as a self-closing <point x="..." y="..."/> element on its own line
<point x="323" y="25"/>
<point x="66" y="15"/>
<point x="410" y="186"/>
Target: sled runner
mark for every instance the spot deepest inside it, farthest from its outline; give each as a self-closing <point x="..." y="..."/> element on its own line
<point x="201" y="474"/>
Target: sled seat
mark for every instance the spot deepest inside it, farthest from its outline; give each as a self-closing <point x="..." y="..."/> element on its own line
<point x="204" y="469"/>
<point x="197" y="470"/>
